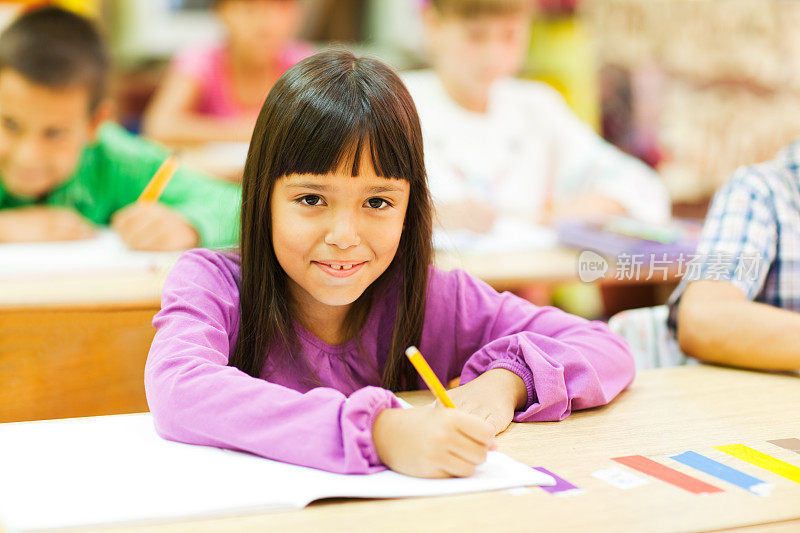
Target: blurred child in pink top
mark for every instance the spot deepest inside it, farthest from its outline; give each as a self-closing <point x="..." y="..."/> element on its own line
<point x="215" y="93"/>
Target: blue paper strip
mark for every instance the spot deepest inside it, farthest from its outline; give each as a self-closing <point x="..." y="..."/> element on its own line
<point x="723" y="472"/>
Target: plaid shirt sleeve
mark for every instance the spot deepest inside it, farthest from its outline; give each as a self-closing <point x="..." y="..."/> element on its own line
<point x="739" y="239"/>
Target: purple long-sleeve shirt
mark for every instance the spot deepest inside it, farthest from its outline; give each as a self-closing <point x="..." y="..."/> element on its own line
<point x="566" y="363"/>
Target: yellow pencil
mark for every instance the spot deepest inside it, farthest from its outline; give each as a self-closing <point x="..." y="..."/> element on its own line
<point x="159" y="181"/>
<point x="428" y="376"/>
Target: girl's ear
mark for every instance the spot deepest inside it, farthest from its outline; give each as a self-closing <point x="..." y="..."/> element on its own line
<point x="104" y="112"/>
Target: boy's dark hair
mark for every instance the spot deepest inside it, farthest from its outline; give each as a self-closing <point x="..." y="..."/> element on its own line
<point x="56" y="48"/>
<point x="475" y="8"/>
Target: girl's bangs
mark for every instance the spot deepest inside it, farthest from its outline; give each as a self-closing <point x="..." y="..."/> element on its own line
<point x="334" y="125"/>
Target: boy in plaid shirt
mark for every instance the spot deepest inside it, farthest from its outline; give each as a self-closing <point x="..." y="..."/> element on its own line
<point x="739" y="306"/>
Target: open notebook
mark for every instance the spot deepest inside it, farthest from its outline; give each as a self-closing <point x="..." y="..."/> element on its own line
<point x="103" y="254"/>
<point x="117" y="470"/>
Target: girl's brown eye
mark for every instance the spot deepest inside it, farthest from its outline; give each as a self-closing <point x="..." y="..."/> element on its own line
<point x="310" y="199"/>
<point x="377" y="203"/>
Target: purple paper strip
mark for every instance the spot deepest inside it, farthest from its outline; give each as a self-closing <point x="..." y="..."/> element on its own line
<point x="562" y="485"/>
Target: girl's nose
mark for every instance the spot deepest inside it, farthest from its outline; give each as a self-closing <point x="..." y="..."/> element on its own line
<point x="344" y="231"/>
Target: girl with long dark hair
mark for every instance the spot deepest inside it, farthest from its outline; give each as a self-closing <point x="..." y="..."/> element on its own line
<point x="292" y="347"/>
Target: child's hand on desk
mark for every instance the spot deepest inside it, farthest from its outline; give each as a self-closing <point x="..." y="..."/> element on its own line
<point x="431" y="442"/>
<point x="493" y="396"/>
<point x="154" y="227"/>
<point x="40" y="223"/>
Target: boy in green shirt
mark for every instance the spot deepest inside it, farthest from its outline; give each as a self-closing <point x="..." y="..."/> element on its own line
<point x="65" y="168"/>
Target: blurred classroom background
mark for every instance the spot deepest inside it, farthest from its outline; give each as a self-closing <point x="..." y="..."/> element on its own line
<point x="694" y="88"/>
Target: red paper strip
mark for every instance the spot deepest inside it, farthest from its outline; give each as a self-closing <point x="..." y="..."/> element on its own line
<point x="667" y="474"/>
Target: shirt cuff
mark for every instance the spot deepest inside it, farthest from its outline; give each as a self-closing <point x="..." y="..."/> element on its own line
<point x="522" y="370"/>
<point x="365" y="406"/>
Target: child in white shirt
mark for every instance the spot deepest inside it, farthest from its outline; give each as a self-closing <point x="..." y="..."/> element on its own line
<point x="498" y="145"/>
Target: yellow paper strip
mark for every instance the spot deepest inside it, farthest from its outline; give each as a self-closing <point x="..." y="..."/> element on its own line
<point x="762" y="460"/>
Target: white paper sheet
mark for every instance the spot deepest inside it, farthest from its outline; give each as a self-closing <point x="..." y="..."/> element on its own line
<point x="117" y="470"/>
<point x="105" y="253"/>
<point x="617" y="477"/>
<point x="507" y="235"/>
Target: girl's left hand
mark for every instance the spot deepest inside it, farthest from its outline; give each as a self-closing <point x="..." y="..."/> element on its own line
<point x="493" y="396"/>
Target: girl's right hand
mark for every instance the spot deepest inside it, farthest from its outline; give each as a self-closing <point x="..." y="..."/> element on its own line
<point x="432" y="442"/>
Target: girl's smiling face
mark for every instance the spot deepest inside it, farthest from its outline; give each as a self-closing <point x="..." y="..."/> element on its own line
<point x="335" y="234"/>
<point x="334" y="190"/>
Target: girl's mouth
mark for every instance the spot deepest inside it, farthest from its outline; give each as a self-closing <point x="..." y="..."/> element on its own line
<point x="340" y="269"/>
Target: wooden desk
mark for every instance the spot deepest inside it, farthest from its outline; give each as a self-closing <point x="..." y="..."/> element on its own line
<point x="62" y="362"/>
<point x="505" y="271"/>
<point x="76" y="345"/>
<point x="512" y="270"/>
<point x="665" y="412"/>
<point x="502" y="271"/>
